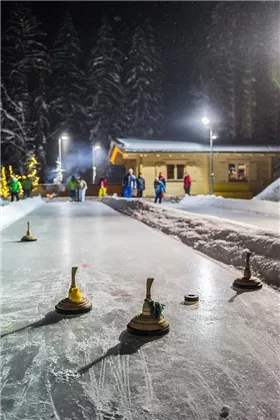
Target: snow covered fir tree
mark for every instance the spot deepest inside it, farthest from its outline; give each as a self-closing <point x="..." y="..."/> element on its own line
<point x="236" y="67"/>
<point x="24" y="111"/>
<point x="108" y="77"/>
<point x="68" y="83"/>
<point x="105" y="90"/>
<point x="143" y="84"/>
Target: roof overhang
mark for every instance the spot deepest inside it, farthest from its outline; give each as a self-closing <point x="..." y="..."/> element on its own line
<point x="127" y="145"/>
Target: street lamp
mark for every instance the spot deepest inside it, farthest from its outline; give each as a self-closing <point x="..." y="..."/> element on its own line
<point x="207" y="122"/>
<point x="59" y="169"/>
<point x="94" y="148"/>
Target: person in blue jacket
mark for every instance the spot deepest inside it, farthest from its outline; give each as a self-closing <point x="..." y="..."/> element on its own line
<point x="159" y="190"/>
<point x="129" y="183"/>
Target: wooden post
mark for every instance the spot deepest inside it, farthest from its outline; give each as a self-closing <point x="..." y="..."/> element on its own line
<point x="148" y="288"/>
<point x="247" y="271"/>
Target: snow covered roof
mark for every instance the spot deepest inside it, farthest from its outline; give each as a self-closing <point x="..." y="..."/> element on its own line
<point x="145" y="146"/>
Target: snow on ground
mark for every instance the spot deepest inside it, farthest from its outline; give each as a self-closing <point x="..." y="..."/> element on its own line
<point x="251" y="206"/>
<point x="4" y="201"/>
<point x="18" y="209"/>
<point x="224" y="241"/>
<point x="222" y="352"/>
<point x="262" y="214"/>
<point x="270" y="193"/>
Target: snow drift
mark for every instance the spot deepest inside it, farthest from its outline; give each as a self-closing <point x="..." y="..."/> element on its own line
<point x="270" y="193"/>
<point x="18" y="209"/>
<point x="223" y="240"/>
<point x="251" y="206"/>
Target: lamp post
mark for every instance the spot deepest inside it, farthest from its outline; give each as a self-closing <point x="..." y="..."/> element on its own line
<point x="59" y="170"/>
<point x="94" y="148"/>
<point x="207" y="122"/>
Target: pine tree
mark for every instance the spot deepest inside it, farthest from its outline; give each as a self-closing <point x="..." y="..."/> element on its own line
<point x="68" y="82"/>
<point x="143" y="74"/>
<point x="105" y="98"/>
<point x="25" y="68"/>
<point x="236" y="71"/>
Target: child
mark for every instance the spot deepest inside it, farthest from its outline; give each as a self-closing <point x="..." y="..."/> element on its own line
<point x="159" y="190"/>
<point x="103" y="184"/>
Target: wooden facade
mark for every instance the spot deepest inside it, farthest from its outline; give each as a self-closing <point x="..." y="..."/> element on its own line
<point x="236" y="174"/>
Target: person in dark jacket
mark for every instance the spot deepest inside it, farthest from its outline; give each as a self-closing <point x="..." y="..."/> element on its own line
<point x="159" y="190"/>
<point x="129" y="183"/>
<point x="73" y="185"/>
<point x="26" y="184"/>
<point x="140" y="181"/>
<point x="187" y="183"/>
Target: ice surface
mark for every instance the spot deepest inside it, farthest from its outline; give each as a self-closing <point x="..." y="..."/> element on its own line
<point x="221" y="352"/>
<point x="224" y="240"/>
<point x="270" y="193"/>
<point x="18" y="209"/>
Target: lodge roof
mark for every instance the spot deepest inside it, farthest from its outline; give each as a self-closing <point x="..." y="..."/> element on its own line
<point x="167" y="146"/>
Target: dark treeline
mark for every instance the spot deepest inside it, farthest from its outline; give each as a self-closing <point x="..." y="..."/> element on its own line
<point x="112" y="92"/>
<point x="116" y="88"/>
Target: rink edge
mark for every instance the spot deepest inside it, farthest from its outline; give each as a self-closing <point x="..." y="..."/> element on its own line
<point x="224" y="240"/>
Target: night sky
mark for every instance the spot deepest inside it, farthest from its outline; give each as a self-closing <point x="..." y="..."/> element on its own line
<point x="178" y="26"/>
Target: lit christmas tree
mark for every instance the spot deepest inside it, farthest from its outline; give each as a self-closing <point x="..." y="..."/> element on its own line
<point x="4" y="188"/>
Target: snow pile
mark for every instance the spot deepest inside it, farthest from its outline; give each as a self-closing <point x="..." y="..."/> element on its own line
<point x="4" y="202"/>
<point x="18" y="209"/>
<point x="226" y="241"/>
<point x="251" y="206"/>
<point x="270" y="193"/>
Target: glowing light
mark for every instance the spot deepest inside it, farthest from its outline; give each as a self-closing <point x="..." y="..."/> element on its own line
<point x="205" y="120"/>
<point x="64" y="137"/>
<point x="214" y="137"/>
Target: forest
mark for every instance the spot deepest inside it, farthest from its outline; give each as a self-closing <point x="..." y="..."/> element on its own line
<point x="116" y="90"/>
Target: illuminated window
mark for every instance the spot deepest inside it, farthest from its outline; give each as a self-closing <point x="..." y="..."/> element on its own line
<point x="170" y="171"/>
<point x="237" y="172"/>
<point x="180" y="171"/>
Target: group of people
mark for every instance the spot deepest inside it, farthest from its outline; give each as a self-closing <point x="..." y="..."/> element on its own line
<point x="77" y="187"/>
<point x="130" y="183"/>
<point x="15" y="187"/>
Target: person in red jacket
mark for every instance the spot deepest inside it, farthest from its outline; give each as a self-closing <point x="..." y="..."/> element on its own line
<point x="187" y="183"/>
<point x="103" y="184"/>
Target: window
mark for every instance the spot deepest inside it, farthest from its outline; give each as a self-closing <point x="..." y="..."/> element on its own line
<point x="237" y="172"/>
<point x="180" y="171"/>
<point x="170" y="171"/>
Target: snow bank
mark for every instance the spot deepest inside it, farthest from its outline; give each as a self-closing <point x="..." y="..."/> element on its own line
<point x="270" y="193"/>
<point x="18" y="209"/>
<point x="223" y="240"/>
<point x="252" y="206"/>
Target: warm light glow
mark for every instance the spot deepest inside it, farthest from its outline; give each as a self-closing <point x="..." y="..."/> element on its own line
<point x="96" y="147"/>
<point x="214" y="137"/>
<point x="205" y="120"/>
<point x="64" y="137"/>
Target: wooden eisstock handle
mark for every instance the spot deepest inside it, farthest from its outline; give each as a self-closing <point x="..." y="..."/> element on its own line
<point x="148" y="287"/>
<point x="247" y="271"/>
<point x="74" y="271"/>
<point x="28" y="228"/>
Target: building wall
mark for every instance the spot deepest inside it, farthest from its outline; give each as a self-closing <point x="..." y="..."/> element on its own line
<point x="259" y="172"/>
<point x="196" y="165"/>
